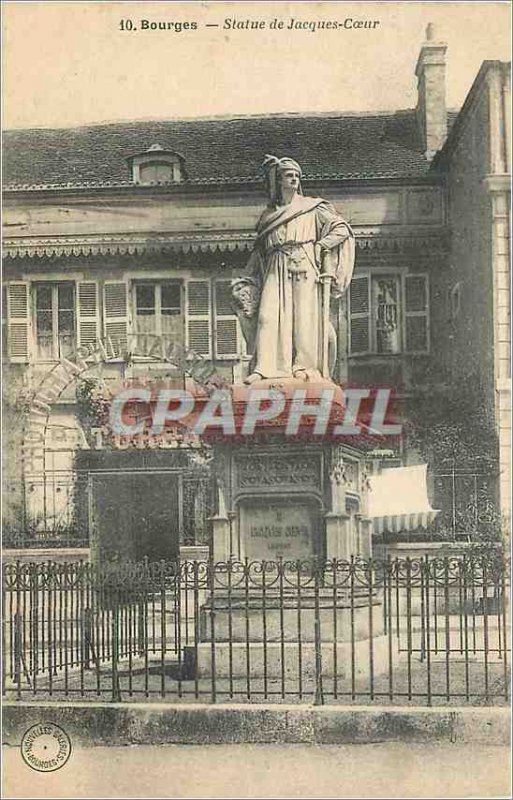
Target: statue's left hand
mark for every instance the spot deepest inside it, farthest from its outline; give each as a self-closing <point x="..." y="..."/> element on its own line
<point x="318" y="255"/>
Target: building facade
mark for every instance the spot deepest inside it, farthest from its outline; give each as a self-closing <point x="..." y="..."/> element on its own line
<point x="120" y="242"/>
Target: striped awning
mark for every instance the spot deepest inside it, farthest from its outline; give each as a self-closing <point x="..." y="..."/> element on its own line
<point x="398" y="500"/>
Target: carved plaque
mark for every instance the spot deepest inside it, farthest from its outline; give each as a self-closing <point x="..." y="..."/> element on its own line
<point x="425" y="206"/>
<point x="255" y="470"/>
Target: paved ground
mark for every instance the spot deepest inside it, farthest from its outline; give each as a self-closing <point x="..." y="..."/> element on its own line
<point x="266" y="771"/>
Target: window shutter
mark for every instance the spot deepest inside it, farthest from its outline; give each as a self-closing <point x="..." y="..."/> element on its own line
<point x="115" y="313"/>
<point x="359" y="315"/>
<point x="18" y="311"/>
<point x="199" y="318"/>
<point x="416" y="313"/>
<point x="226" y="322"/>
<point x="88" y="322"/>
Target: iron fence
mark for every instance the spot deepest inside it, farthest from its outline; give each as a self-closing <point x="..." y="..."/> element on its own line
<point x="53" y="509"/>
<point x="40" y="511"/>
<point x="430" y="630"/>
<point x="468" y="505"/>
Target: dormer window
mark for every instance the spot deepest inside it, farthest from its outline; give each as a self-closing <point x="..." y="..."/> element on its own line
<point x="156" y="172"/>
<point x="157" y="165"/>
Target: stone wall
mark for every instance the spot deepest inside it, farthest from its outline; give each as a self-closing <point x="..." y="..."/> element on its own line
<point x="478" y="280"/>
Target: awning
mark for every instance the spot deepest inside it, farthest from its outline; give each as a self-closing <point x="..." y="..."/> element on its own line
<point x="398" y="500"/>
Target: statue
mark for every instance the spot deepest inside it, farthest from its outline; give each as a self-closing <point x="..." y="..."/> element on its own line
<point x="303" y="256"/>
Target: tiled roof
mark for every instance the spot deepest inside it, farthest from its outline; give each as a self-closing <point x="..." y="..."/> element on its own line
<point x="220" y="149"/>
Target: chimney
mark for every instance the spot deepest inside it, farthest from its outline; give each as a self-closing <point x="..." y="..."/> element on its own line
<point x="431" y="110"/>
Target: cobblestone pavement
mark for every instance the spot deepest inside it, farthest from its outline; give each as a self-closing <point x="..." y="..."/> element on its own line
<point x="268" y="771"/>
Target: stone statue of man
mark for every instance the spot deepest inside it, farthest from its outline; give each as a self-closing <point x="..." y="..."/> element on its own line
<point x="304" y="252"/>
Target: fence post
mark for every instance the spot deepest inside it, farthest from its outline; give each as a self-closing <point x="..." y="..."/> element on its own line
<point x="17" y="652"/>
<point x="211" y="582"/>
<point x="88" y="629"/>
<point x="504" y="607"/>
<point x="4" y="620"/>
<point x="319" y="697"/>
<point x="453" y="504"/>
<point x="116" y="693"/>
<point x="423" y="620"/>
<point x="142" y="623"/>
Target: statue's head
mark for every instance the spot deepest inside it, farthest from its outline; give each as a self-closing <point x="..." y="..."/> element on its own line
<point x="281" y="173"/>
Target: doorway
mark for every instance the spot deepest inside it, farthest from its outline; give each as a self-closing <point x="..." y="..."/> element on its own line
<point x="135" y="515"/>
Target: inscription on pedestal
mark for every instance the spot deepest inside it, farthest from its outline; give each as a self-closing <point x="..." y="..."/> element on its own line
<point x="275" y="470"/>
<point x="271" y="528"/>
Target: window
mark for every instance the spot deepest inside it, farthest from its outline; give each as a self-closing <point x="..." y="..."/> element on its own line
<point x="158" y="311"/>
<point x="157" y="165"/>
<point x="199" y="318"/>
<point x="156" y="172"/>
<point x="54" y="320"/>
<point x="49" y="320"/>
<point x="389" y="314"/>
<point x="18" y="314"/>
<point x="226" y="323"/>
<point x="416" y="318"/>
<point x="212" y="326"/>
<point x="115" y="316"/>
<point x="385" y="301"/>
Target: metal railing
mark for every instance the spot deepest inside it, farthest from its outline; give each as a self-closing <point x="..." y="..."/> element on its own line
<point x="40" y="512"/>
<point x="52" y="509"/>
<point x="430" y="630"/>
<point x="467" y="503"/>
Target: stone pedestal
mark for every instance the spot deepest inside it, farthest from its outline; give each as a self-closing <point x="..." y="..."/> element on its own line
<point x="339" y="539"/>
<point x="276" y="634"/>
<point x="293" y="659"/>
<point x="221" y="550"/>
<point x="294" y="496"/>
<point x="275" y="617"/>
<point x="287" y="499"/>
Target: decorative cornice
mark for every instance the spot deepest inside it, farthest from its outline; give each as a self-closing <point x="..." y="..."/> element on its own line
<point x="367" y="239"/>
<point x="397" y="239"/>
<point x="127" y="244"/>
<point x="74" y="186"/>
<point x="497" y="183"/>
<point x="220" y="181"/>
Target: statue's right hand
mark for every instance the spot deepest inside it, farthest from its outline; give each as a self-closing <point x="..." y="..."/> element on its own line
<point x="241" y="283"/>
<point x="245" y="295"/>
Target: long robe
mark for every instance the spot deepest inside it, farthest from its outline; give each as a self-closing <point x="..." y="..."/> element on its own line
<point x="286" y="338"/>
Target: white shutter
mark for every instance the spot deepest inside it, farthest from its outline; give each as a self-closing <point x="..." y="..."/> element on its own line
<point x="226" y="322"/>
<point x="18" y="312"/>
<point x="115" y="316"/>
<point x="416" y="313"/>
<point x="87" y="313"/>
<point x="359" y="315"/>
<point x="199" y="318"/>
